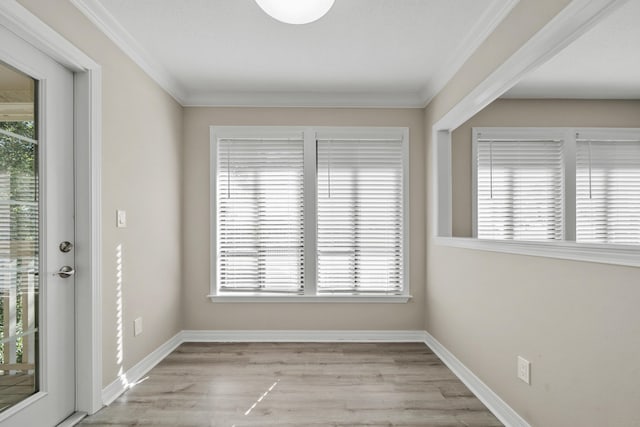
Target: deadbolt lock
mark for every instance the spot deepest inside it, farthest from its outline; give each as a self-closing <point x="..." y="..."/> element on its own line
<point x="66" y="246"/>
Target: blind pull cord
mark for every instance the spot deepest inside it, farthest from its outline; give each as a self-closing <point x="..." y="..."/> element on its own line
<point x="589" y="151"/>
<point x="329" y="170"/>
<point x="228" y="169"/>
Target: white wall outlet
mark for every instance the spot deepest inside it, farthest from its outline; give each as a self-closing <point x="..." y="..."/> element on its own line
<point x="121" y="218"/>
<point x="524" y="370"/>
<point x="137" y="326"/>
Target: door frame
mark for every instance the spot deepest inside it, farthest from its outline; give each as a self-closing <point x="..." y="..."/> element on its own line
<point x="88" y="194"/>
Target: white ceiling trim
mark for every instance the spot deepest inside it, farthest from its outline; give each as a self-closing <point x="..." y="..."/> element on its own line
<point x="109" y="25"/>
<point x="20" y="21"/>
<point x="577" y="92"/>
<point x="306" y="99"/>
<point x="574" y="20"/>
<point x="485" y="25"/>
<point x="106" y="23"/>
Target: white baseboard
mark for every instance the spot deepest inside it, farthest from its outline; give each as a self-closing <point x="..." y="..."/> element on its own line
<point x="129" y="378"/>
<point x="492" y="401"/>
<point x="302" y="336"/>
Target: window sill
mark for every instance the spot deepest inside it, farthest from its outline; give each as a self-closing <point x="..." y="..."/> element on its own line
<point x="588" y="252"/>
<point x="252" y="298"/>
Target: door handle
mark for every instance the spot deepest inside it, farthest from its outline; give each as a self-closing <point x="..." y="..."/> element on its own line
<point x="66" y="271"/>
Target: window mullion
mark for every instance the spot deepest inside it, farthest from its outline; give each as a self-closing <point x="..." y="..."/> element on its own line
<point x="310" y="212"/>
<point x="570" y="185"/>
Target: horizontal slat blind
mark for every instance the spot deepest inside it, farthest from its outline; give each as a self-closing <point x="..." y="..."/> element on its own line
<point x="520" y="189"/>
<point x="608" y="191"/>
<point x="18" y="214"/>
<point x="360" y="216"/>
<point x="260" y="215"/>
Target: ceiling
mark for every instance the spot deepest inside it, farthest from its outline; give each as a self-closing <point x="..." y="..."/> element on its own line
<point x="16" y="95"/>
<point x="604" y="63"/>
<point x="396" y="53"/>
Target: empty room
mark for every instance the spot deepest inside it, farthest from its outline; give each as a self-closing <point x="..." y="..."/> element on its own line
<point x="319" y="213"/>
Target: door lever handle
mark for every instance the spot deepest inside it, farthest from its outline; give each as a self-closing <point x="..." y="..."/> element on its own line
<point x="66" y="271"/>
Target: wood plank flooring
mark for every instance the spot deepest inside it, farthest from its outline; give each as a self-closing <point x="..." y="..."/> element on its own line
<point x="298" y="384"/>
<point x="15" y="387"/>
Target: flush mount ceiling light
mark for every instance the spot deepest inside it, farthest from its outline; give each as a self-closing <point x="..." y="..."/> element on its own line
<point x="296" y="11"/>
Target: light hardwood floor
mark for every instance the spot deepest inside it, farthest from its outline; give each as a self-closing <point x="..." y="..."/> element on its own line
<point x="298" y="384"/>
<point x="15" y="387"/>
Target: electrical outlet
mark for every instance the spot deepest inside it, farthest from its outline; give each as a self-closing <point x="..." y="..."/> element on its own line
<point x="524" y="370"/>
<point x="137" y="326"/>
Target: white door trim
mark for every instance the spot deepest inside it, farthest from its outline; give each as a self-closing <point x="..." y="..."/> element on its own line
<point x="88" y="164"/>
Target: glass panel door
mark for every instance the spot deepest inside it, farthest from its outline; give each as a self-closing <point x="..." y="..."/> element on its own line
<point x="37" y="285"/>
<point x="19" y="238"/>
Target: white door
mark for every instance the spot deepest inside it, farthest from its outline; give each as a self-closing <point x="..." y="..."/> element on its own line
<point x="37" y="380"/>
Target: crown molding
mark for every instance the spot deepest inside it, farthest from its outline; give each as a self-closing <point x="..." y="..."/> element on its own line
<point x="305" y="99"/>
<point x="105" y="21"/>
<point x="485" y="25"/>
<point x="570" y="23"/>
<point x="574" y="20"/>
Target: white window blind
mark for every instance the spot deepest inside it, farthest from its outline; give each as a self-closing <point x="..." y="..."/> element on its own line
<point x="608" y="190"/>
<point x="259" y="201"/>
<point x="360" y="216"/>
<point x="519" y="187"/>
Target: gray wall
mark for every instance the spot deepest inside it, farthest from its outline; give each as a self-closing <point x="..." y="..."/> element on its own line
<point x="200" y="313"/>
<point x="141" y="173"/>
<point x="577" y="322"/>
<point x="527" y="113"/>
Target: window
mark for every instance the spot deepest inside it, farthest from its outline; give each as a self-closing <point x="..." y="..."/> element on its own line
<point x="608" y="187"/>
<point x="557" y="184"/>
<point x="519" y="186"/>
<point x="359" y="216"/>
<point x="309" y="213"/>
<point x="260" y="215"/>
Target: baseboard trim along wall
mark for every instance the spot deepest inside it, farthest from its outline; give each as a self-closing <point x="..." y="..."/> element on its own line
<point x="496" y="405"/>
<point x="132" y="376"/>
<point x="303" y="336"/>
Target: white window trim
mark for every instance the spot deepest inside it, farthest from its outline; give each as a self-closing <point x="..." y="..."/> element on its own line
<point x="573" y="21"/>
<point x="589" y="252"/>
<point x="569" y="136"/>
<point x="563" y="134"/>
<point x="310" y="135"/>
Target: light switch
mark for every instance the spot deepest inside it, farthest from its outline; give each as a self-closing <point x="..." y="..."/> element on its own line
<point x="137" y="326"/>
<point x="121" y="218"/>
